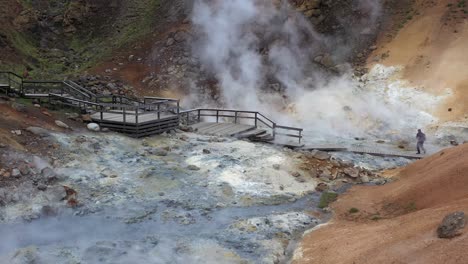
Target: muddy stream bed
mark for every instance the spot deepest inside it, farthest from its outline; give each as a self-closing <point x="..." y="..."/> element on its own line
<point x="183" y="198"/>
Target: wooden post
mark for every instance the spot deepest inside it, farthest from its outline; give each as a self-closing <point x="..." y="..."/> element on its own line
<point x="217" y="116"/>
<point x="274" y="131"/>
<point x="136" y="115"/>
<point x="199" y="115"/>
<point x="256" y="118"/>
<point x="235" y="117"/>
<point x="124" y="113"/>
<point x="159" y="111"/>
<point x="300" y="136"/>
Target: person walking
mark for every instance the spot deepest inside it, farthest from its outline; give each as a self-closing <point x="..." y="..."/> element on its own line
<point x="421" y="137"/>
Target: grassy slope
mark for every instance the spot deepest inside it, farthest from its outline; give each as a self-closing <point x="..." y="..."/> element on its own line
<point x="87" y="46"/>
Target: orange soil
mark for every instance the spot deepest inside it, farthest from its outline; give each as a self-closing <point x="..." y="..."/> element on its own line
<point x="432" y="48"/>
<point x="11" y="119"/>
<point x="397" y="223"/>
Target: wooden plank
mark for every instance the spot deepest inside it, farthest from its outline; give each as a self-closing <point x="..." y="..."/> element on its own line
<point x="374" y="152"/>
<point x="323" y="148"/>
<point x="204" y="126"/>
<point x="208" y="127"/>
<point x="36" y="95"/>
<point x="290" y="145"/>
<point x="201" y="124"/>
<point x="239" y="129"/>
<point x="222" y="129"/>
<point x="251" y="133"/>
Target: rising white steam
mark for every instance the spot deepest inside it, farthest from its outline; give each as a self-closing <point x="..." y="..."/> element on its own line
<point x="248" y="45"/>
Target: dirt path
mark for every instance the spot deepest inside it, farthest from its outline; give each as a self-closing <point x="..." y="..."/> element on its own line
<point x="397" y="223"/>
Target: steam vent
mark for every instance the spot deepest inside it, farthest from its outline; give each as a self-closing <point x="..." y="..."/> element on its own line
<point x="233" y="132"/>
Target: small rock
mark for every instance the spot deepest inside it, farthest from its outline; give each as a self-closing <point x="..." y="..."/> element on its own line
<point x="55" y="194"/>
<point x="365" y="179"/>
<point x="16" y="132"/>
<point x="16" y="173"/>
<point x="160" y="152"/>
<point x="131" y="57"/>
<point x="24" y="169"/>
<point x="276" y="166"/>
<point x="206" y="151"/>
<point x="93" y="127"/>
<point x="42" y="187"/>
<point x="321" y="187"/>
<point x="352" y="172"/>
<point x="296" y="174"/>
<point x="39" y="131"/>
<point x="48" y="174"/>
<point x="193" y="168"/>
<point x="452" y="225"/>
<point x="320" y="155"/>
<point x="170" y="42"/>
<point x="300" y="179"/>
<point x="61" y="124"/>
<point x="108" y="173"/>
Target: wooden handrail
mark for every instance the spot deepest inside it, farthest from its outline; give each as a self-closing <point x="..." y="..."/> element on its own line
<point x="258" y="117"/>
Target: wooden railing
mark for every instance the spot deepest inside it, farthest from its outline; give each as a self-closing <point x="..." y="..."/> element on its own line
<point x="170" y="106"/>
<point x="14" y="82"/>
<point x="235" y="116"/>
<point x="44" y="88"/>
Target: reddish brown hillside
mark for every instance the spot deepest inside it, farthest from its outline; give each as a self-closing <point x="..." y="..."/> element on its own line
<point x="397" y="223"/>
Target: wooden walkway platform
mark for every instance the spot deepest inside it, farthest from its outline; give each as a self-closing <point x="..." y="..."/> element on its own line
<point x="383" y="153"/>
<point x="130" y="117"/>
<point x="226" y="129"/>
<point x="374" y="151"/>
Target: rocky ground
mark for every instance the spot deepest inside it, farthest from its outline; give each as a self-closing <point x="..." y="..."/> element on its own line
<point x="101" y="197"/>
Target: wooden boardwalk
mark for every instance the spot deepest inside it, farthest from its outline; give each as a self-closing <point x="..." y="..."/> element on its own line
<point x="383" y="153"/>
<point x="374" y="151"/>
<point x="226" y="129"/>
<point x="130" y="117"/>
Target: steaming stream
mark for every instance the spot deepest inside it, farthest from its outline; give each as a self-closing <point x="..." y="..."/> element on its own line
<point x="140" y="203"/>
